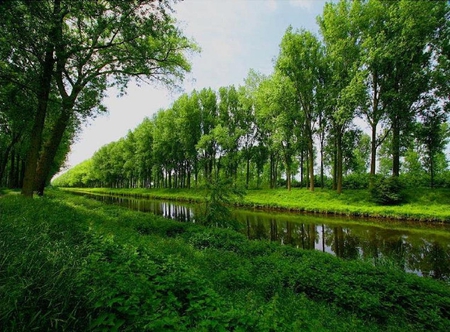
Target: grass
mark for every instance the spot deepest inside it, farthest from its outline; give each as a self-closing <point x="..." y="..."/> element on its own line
<point x="69" y="263"/>
<point x="422" y="204"/>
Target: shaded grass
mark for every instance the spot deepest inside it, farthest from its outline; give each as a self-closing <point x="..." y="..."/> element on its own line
<point x="70" y="263"/>
<point x="423" y="204"/>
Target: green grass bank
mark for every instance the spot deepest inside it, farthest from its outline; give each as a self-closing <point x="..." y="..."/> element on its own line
<point x="68" y="263"/>
<point x="423" y="204"/>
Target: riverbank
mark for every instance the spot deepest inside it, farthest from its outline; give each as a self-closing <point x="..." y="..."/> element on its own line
<point x="426" y="205"/>
<point x="70" y="263"/>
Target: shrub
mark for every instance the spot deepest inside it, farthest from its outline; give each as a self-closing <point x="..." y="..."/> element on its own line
<point x="387" y="191"/>
<point x="222" y="239"/>
<point x="442" y="180"/>
<point x="356" y="181"/>
<point x="220" y="194"/>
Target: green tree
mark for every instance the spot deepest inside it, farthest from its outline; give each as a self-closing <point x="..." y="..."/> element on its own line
<point x="415" y="41"/>
<point x="343" y="86"/>
<point x="434" y="134"/>
<point x="189" y="130"/>
<point x="208" y="115"/>
<point x="84" y="47"/>
<point x="230" y="117"/>
<point x="247" y="124"/>
<point x="278" y="112"/>
<point x="29" y="30"/>
<point x="144" y="152"/>
<point x="300" y="57"/>
<point x="254" y="147"/>
<point x="264" y="114"/>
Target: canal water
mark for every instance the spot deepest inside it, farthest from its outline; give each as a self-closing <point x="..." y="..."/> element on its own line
<point x="420" y="248"/>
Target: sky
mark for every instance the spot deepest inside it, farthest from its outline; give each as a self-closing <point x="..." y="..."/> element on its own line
<point x="234" y="36"/>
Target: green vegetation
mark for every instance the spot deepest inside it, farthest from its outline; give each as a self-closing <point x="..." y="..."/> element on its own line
<point x="70" y="263"/>
<point x="382" y="62"/>
<point x="55" y="74"/>
<point x="422" y="204"/>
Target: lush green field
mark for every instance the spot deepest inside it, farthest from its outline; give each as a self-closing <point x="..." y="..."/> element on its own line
<point x="70" y="263"/>
<point x="422" y="204"/>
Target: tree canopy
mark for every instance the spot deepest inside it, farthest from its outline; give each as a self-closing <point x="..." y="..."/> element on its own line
<point x="65" y="54"/>
<point x="368" y="96"/>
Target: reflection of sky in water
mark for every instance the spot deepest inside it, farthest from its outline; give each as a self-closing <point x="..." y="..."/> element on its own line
<point x="416" y="248"/>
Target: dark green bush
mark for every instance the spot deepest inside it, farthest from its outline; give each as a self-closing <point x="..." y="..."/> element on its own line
<point x="356" y="181"/>
<point x="387" y="191"/>
<point x="442" y="180"/>
<point x="223" y="239"/>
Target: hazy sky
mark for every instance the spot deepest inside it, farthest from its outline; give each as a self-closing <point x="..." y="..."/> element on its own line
<point x="234" y="35"/>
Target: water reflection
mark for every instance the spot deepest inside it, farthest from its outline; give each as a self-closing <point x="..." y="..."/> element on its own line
<point x="421" y="249"/>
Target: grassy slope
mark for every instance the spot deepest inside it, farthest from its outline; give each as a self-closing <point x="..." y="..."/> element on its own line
<point x="423" y="204"/>
<point x="69" y="263"/>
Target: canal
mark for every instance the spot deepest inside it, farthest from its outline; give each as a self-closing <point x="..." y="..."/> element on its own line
<point x="420" y="248"/>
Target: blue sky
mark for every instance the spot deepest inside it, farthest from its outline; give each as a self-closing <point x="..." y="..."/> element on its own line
<point x="235" y="36"/>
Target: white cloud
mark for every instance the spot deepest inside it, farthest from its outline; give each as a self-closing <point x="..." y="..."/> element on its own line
<point x="221" y="29"/>
<point x="234" y="35"/>
<point x="307" y="4"/>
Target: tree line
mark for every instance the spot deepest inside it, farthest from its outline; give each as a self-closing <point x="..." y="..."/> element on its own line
<point x="379" y="64"/>
<point x="58" y="57"/>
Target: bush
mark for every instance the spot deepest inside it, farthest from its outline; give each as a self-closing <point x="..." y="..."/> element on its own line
<point x="220" y="194"/>
<point x="356" y="181"/>
<point x="442" y="180"/>
<point x="387" y="191"/>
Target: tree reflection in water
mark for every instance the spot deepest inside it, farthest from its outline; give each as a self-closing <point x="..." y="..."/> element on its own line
<point x="421" y="249"/>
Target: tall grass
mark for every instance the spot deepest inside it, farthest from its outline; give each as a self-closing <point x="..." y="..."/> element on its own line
<point x="72" y="264"/>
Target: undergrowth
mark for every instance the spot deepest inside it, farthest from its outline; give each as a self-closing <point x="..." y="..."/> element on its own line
<point x="72" y="264"/>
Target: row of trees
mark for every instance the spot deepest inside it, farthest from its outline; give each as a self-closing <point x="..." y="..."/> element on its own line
<point x="58" y="57"/>
<point x="383" y="62"/>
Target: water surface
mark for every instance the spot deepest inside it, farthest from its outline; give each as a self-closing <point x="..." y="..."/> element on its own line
<point x="421" y="248"/>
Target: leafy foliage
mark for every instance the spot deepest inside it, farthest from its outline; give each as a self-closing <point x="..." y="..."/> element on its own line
<point x="387" y="191"/>
<point x="69" y="263"/>
<point x="219" y="195"/>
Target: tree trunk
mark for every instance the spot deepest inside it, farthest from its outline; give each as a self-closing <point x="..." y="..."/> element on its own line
<point x="41" y="112"/>
<point x="271" y="163"/>
<point x="288" y="177"/>
<point x="302" y="180"/>
<point x="17" y="172"/>
<point x="373" y="155"/>
<point x="395" y="146"/>
<point x="322" y="183"/>
<point x="432" y="170"/>
<point x="247" y="178"/>
<point x="339" y="163"/>
<point x="12" y="169"/>
<point x="6" y="153"/>
<point x="50" y="150"/>
<point x="311" y="164"/>
<point x="38" y="124"/>
<point x="335" y="162"/>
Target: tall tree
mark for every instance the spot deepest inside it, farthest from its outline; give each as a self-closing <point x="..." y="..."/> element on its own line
<point x="354" y="33"/>
<point x="144" y="152"/>
<point x="278" y="115"/>
<point x="88" y="46"/>
<point x="208" y="115"/>
<point x="415" y="39"/>
<point x="299" y="60"/>
<point x="30" y="29"/>
<point x="434" y="133"/>
<point x="247" y="124"/>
